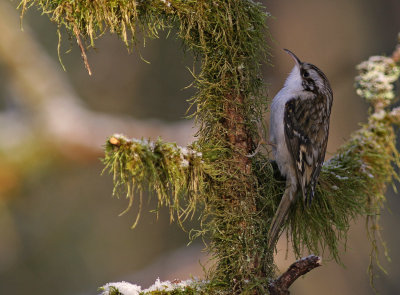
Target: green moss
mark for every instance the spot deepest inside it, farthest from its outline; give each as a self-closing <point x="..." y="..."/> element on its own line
<point x="228" y="37"/>
<point x="114" y="291"/>
<point x="352" y="184"/>
<point x="174" y="173"/>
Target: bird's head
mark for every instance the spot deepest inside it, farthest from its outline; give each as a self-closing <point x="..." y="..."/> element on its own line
<point x="306" y="77"/>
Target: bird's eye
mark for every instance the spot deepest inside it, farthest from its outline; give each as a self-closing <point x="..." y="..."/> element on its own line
<point x="306" y="74"/>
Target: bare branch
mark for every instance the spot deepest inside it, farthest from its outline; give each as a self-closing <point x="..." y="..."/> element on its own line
<point x="281" y="285"/>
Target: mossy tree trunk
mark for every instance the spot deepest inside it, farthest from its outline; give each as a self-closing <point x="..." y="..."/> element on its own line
<point x="224" y="170"/>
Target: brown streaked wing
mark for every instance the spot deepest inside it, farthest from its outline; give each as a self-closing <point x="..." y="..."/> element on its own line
<point x="306" y="132"/>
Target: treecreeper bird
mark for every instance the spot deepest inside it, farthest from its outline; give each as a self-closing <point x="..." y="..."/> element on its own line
<point x="299" y="129"/>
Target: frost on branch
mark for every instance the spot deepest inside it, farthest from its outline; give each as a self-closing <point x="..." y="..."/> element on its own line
<point x="175" y="173"/>
<point x="176" y="287"/>
<point x="376" y="78"/>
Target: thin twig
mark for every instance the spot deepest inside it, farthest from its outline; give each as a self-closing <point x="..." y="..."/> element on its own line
<point x="281" y="285"/>
<point x="396" y="52"/>
<point x="83" y="52"/>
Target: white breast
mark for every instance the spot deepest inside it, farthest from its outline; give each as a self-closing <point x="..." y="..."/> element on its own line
<point x="277" y="132"/>
<point x="292" y="88"/>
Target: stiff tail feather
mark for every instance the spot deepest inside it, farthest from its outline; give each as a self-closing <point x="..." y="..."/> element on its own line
<point x="280" y="217"/>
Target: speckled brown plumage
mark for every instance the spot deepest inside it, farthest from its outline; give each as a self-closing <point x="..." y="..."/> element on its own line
<point x="306" y="131"/>
<point x="299" y="130"/>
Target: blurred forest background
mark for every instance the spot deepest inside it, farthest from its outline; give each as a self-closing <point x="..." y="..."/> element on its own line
<point x="59" y="227"/>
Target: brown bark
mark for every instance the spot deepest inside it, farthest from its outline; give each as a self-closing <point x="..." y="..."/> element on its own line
<point x="281" y="285"/>
<point x="237" y="134"/>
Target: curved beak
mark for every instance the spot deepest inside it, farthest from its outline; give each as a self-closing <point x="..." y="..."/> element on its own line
<point x="296" y="59"/>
